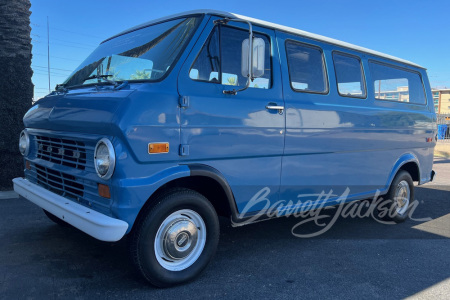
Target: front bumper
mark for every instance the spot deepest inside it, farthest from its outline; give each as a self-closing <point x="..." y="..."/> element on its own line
<point x="95" y="224"/>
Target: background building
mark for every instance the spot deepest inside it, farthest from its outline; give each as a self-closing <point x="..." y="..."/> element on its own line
<point x="441" y="98"/>
<point x="399" y="94"/>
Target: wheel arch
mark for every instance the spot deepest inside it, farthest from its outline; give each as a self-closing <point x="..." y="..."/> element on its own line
<point x="205" y="180"/>
<point x="407" y="162"/>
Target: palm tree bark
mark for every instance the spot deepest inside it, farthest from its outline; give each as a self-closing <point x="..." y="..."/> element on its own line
<point x="16" y="88"/>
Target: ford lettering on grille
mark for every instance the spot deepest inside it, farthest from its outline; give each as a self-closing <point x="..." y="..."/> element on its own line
<point x="62" y="151"/>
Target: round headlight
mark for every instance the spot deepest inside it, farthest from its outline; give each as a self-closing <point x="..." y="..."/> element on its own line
<point x="105" y="158"/>
<point x="24" y="143"/>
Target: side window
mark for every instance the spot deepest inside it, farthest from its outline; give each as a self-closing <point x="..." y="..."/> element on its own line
<point x="307" y="71"/>
<point x="219" y="60"/>
<point x="206" y="66"/>
<point x="349" y="75"/>
<point x="391" y="83"/>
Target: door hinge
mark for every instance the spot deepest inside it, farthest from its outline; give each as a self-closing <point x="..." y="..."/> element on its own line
<point x="184" y="101"/>
<point x="184" y="150"/>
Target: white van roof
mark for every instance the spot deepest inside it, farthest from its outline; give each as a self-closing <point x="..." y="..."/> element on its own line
<point x="273" y="26"/>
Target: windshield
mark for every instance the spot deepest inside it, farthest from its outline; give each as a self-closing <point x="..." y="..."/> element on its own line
<point x="144" y="54"/>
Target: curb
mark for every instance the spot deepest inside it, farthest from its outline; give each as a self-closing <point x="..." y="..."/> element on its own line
<point x="8" y="195"/>
<point x="441" y="154"/>
<point x="442" y="149"/>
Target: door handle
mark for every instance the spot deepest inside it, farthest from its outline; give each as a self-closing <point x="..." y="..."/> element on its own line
<point x="277" y="107"/>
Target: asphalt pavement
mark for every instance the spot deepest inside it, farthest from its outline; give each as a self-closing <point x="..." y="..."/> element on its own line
<point x="356" y="258"/>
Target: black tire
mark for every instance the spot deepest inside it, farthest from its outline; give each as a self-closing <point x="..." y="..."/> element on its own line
<point x="142" y="238"/>
<point x="55" y="219"/>
<point x="387" y="208"/>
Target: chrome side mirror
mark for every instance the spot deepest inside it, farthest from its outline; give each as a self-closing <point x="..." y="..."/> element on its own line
<point x="257" y="56"/>
<point x="252" y="56"/>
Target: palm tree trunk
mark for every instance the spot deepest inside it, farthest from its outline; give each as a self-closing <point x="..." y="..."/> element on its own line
<point x="16" y="88"/>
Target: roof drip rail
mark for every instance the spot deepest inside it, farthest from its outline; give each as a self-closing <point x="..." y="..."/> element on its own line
<point x="295" y="31"/>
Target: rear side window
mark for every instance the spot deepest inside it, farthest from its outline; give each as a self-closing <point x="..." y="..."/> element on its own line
<point x="307" y="71"/>
<point x="349" y="75"/>
<point x="219" y="60"/>
<point x="395" y="84"/>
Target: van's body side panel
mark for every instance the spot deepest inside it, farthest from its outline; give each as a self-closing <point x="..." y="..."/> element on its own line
<point x="411" y="128"/>
<point x="234" y="134"/>
<point x="335" y="142"/>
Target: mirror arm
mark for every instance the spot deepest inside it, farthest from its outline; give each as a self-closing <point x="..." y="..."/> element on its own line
<point x="250" y="61"/>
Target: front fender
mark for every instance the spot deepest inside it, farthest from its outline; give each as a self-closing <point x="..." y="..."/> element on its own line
<point x="133" y="193"/>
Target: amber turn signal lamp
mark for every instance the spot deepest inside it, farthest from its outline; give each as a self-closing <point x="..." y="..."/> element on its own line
<point x="103" y="191"/>
<point x="28" y="165"/>
<point x="158" y="148"/>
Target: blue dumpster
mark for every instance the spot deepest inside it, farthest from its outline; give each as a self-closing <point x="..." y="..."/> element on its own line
<point x="442" y="129"/>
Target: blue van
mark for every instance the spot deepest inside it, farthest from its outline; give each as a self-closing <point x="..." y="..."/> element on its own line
<point x="170" y="124"/>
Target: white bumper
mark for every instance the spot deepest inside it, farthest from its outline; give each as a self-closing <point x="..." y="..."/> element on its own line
<point x="95" y="224"/>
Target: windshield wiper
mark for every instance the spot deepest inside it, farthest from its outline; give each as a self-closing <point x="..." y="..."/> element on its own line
<point x="105" y="76"/>
<point x="113" y="82"/>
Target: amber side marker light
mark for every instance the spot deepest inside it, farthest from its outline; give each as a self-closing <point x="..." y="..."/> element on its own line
<point x="103" y="191"/>
<point x="28" y="165"/>
<point x="154" y="148"/>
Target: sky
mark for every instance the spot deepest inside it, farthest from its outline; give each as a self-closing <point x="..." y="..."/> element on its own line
<point x="410" y="29"/>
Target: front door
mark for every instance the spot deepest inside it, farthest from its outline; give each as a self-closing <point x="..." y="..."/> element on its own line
<point x="235" y="134"/>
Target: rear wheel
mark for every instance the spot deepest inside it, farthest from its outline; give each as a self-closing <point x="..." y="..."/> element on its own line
<point x="55" y="219"/>
<point x="175" y="239"/>
<point x="397" y="202"/>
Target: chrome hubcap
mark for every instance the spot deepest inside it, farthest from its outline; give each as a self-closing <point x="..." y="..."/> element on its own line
<point x="402" y="195"/>
<point x="180" y="240"/>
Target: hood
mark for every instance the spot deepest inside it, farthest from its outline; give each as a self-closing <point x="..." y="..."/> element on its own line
<point x="88" y="111"/>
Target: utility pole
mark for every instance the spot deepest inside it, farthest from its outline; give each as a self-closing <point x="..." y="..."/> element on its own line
<point x="48" y="54"/>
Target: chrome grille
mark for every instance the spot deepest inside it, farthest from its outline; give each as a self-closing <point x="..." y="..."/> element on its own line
<point x="59" y="183"/>
<point x="62" y="151"/>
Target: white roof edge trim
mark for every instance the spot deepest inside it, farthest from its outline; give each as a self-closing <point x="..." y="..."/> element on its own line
<point x="273" y="26"/>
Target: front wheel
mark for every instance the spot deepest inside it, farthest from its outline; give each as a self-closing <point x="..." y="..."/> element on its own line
<point x="175" y="239"/>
